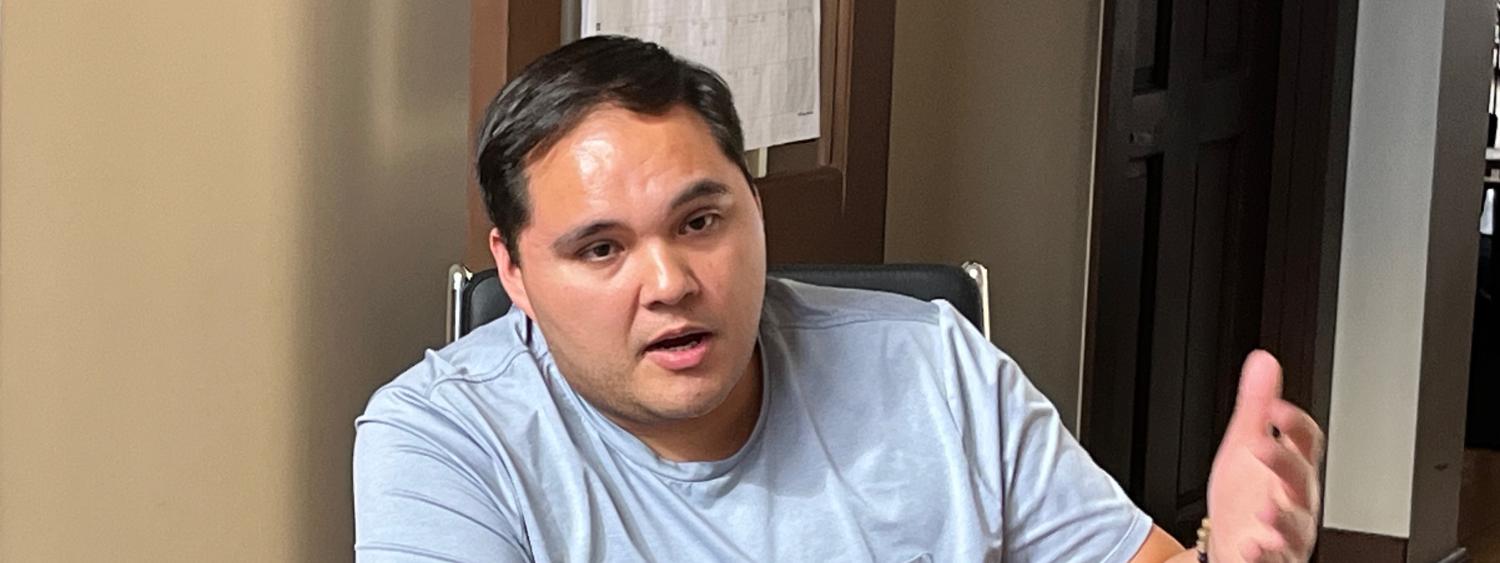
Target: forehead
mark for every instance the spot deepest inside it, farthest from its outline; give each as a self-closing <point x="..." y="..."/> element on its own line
<point x="615" y="159"/>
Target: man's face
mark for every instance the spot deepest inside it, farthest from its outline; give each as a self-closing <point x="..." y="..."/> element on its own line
<point x="643" y="264"/>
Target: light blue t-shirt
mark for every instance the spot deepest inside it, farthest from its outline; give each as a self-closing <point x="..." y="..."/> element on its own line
<point x="890" y="430"/>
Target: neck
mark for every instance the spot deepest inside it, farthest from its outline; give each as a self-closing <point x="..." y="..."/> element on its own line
<point x="717" y="434"/>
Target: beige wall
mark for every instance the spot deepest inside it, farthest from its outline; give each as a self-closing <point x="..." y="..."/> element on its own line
<point x="221" y="226"/>
<point x="992" y="123"/>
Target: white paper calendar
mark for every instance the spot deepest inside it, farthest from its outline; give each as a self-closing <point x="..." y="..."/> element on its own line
<point x="767" y="50"/>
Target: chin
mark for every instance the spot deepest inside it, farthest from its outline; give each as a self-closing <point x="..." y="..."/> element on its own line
<point x="678" y="412"/>
<point x="690" y="398"/>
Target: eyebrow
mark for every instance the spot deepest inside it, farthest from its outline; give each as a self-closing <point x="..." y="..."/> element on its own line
<point x="698" y="190"/>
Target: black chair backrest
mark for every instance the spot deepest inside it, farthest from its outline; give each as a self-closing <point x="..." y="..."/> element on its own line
<point x="484" y="299"/>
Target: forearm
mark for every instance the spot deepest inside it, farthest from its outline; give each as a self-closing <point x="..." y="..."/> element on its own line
<point x="1160" y="547"/>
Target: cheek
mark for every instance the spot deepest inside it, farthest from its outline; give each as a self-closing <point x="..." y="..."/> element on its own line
<point x="748" y="261"/>
<point x="729" y="269"/>
<point x="739" y="271"/>
<point x="593" y="317"/>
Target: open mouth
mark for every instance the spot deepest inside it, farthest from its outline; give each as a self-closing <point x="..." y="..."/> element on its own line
<point x="678" y="343"/>
<point x="680" y="353"/>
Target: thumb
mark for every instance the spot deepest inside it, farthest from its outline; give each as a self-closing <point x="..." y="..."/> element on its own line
<point x="1260" y="387"/>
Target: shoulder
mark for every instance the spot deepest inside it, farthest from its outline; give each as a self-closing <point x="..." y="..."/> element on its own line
<point x="792" y="305"/>
<point x="437" y="424"/>
<point x="491" y="368"/>
<point x="428" y="477"/>
<point x="857" y="314"/>
<point x="896" y="339"/>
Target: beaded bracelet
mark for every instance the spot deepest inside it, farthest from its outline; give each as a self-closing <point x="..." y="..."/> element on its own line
<point x="1202" y="546"/>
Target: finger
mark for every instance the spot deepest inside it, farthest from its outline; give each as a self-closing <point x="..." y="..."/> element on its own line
<point x="1296" y="474"/>
<point x="1260" y="379"/>
<point x="1265" y="550"/>
<point x="1252" y="552"/>
<point x="1299" y="428"/>
<point x="1297" y="528"/>
<point x="1260" y="385"/>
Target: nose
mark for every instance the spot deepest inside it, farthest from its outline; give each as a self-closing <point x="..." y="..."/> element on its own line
<point x="667" y="280"/>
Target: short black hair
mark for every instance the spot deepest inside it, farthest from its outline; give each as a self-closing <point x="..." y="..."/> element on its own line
<point x="554" y="93"/>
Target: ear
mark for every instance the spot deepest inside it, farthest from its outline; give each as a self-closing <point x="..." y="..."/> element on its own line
<point x="510" y="273"/>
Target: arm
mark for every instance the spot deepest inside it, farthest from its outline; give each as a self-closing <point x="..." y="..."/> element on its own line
<point x="1054" y="502"/>
<point x="1160" y="547"/>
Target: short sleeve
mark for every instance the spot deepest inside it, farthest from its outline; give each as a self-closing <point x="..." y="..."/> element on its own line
<point x="425" y="491"/>
<point x="1056" y="504"/>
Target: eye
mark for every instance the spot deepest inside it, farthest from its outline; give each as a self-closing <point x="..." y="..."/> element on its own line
<point x="598" y="251"/>
<point x="700" y="223"/>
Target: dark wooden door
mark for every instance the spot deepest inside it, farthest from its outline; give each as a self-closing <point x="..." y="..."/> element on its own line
<point x="824" y="199"/>
<point x="1187" y="117"/>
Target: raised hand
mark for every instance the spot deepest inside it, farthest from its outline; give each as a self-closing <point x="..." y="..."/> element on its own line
<point x="1263" y="492"/>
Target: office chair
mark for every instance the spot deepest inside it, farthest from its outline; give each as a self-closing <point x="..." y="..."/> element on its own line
<point x="475" y="298"/>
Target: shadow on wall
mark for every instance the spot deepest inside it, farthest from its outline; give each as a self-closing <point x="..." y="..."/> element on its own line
<point x="384" y="167"/>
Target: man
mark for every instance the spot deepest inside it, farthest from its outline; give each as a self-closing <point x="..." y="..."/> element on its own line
<point x="654" y="397"/>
